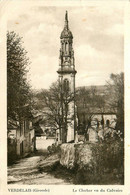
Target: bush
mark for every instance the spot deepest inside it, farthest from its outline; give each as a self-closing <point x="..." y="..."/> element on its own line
<point x="53" y="149"/>
<point x="106" y="165"/>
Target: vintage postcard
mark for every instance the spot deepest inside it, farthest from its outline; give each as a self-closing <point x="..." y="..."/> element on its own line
<point x="65" y="91"/>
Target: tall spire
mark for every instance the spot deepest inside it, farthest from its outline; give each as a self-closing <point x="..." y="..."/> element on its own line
<point x="66" y="20"/>
<point x="66" y="33"/>
<point x="67" y="74"/>
<point x="66" y="16"/>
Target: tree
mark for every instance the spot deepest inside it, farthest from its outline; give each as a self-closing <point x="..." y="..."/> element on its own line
<point x="55" y="107"/>
<point x="67" y="103"/>
<point x="115" y="91"/>
<point x="89" y="102"/>
<point x="18" y="89"/>
<point x="82" y="101"/>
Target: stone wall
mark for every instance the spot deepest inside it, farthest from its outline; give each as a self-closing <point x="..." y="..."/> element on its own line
<point x="76" y="154"/>
<point x="67" y="155"/>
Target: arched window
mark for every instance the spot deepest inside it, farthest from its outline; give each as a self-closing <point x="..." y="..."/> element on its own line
<point x="66" y="47"/>
<point x="66" y="85"/>
<point x="107" y="123"/>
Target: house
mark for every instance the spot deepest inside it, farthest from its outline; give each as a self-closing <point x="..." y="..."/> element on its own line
<point x="21" y="138"/>
<point x="96" y="116"/>
<point x="101" y="124"/>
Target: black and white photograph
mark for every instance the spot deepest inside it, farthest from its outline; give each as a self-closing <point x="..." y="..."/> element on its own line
<point x="65" y="95"/>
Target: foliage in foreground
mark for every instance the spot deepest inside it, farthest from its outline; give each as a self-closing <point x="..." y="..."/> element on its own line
<point x="107" y="164"/>
<point x="105" y="168"/>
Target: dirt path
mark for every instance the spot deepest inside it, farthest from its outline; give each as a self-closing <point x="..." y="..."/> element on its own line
<point x="26" y="171"/>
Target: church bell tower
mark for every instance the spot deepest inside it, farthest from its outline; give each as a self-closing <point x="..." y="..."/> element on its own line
<point x="67" y="74"/>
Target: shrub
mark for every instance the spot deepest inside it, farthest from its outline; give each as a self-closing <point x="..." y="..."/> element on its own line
<point x="53" y="149"/>
<point x="106" y="165"/>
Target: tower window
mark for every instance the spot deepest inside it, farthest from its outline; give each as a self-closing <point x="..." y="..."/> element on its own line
<point x="66" y="85"/>
<point x="66" y="46"/>
<point x="107" y="123"/>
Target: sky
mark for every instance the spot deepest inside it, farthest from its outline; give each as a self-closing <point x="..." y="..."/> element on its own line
<point x="98" y="41"/>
